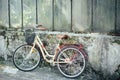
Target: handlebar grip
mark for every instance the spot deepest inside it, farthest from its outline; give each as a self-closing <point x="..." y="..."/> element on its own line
<point x="37" y="27"/>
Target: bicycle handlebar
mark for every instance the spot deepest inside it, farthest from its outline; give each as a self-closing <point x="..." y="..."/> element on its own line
<point x="35" y="27"/>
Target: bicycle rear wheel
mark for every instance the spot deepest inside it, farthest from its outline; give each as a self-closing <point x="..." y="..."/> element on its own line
<point x="24" y="60"/>
<point x="71" y="62"/>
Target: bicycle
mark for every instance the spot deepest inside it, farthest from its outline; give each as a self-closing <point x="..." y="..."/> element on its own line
<point x="70" y="59"/>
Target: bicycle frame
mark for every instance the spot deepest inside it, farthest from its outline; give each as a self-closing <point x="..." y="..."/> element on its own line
<point x="29" y="56"/>
<point x="45" y="54"/>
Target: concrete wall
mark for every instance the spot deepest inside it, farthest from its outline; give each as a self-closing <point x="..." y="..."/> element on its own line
<point x="103" y="50"/>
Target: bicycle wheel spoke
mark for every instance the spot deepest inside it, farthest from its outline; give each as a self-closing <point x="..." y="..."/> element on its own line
<point x="65" y="55"/>
<point x="24" y="60"/>
<point x="75" y="62"/>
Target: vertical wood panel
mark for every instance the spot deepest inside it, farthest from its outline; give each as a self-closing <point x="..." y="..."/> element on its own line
<point x="81" y="15"/>
<point x="4" y="13"/>
<point x="9" y="17"/>
<point x="118" y="17"/>
<point x="62" y="15"/>
<point x="45" y="13"/>
<point x="29" y="12"/>
<point x="103" y="15"/>
<point x="15" y="13"/>
<point x="36" y="11"/>
<point x="22" y="14"/>
<point x="100" y="16"/>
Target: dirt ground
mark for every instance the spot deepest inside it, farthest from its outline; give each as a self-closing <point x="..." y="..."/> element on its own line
<point x="9" y="72"/>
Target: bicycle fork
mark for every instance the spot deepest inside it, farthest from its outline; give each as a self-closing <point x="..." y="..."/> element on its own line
<point x="29" y="54"/>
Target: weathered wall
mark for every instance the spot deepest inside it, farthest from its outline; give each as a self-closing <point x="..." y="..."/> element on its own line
<point x="103" y="15"/>
<point x="63" y="15"/>
<point x="103" y="50"/>
<point x="104" y="53"/>
<point x="118" y="16"/>
<point x="81" y="15"/>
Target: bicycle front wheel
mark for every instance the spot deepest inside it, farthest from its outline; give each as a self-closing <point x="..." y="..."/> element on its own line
<point x="71" y="62"/>
<point x="24" y="60"/>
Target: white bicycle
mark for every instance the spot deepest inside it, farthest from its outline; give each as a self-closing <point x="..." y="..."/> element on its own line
<point x="69" y="58"/>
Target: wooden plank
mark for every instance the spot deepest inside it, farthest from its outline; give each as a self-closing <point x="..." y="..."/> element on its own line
<point x="118" y="17"/>
<point x="81" y="18"/>
<point x="15" y="13"/>
<point x="29" y="12"/>
<point x="62" y="15"/>
<point x="103" y="15"/>
<point x="4" y="13"/>
<point x="45" y="13"/>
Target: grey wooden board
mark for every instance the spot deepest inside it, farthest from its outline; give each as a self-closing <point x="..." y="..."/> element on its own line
<point x="118" y="16"/>
<point x="62" y="15"/>
<point x="86" y="16"/>
<point x="103" y="15"/>
<point x="29" y="12"/>
<point x="81" y="18"/>
<point x="45" y="13"/>
<point x="4" y="13"/>
<point x="15" y="13"/>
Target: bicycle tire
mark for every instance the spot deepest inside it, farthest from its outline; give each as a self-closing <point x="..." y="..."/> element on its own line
<point x="79" y="63"/>
<point x="26" y="64"/>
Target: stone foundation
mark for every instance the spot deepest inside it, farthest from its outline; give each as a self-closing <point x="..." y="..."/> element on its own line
<point x="103" y="50"/>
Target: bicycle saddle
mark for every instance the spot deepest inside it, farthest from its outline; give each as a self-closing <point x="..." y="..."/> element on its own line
<point x="40" y="27"/>
<point x="63" y="36"/>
